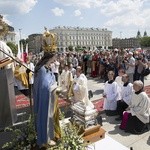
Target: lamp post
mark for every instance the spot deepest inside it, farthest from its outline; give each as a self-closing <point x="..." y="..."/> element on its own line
<point x="77" y="37"/>
<point x="20" y="33"/>
<point x="120" y="40"/>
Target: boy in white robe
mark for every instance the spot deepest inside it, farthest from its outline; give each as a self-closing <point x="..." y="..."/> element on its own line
<point x="126" y="95"/>
<point x="120" y="83"/>
<point x="110" y="95"/>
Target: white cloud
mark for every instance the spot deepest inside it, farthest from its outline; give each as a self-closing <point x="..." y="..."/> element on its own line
<point x="77" y="12"/>
<point x="81" y="3"/>
<point x="14" y="6"/>
<point x="121" y="6"/>
<point x="81" y="18"/>
<point x="138" y="18"/>
<point x="6" y="20"/>
<point x="57" y="11"/>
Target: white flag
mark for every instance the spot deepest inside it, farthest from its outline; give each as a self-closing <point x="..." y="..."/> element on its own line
<point x="22" y="51"/>
<point x="27" y="49"/>
<point x="19" y="51"/>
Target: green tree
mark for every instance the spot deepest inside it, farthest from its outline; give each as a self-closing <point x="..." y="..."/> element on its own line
<point x="78" y="48"/>
<point x="145" y="41"/>
<point x="70" y="48"/>
<point x="13" y="47"/>
<point x="24" y="42"/>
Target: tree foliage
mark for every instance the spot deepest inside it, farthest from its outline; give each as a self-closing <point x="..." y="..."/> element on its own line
<point x="145" y="41"/>
<point x="70" y="48"/>
<point x="13" y="47"/>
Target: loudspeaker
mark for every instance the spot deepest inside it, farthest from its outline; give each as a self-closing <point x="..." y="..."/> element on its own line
<point x="8" y="112"/>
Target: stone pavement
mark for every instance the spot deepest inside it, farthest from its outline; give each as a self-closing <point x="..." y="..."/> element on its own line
<point x="137" y="142"/>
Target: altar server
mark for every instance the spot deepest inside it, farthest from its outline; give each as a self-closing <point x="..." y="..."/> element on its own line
<point x="110" y="95"/>
<point x="126" y="95"/>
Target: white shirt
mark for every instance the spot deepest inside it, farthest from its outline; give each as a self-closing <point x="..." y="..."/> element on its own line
<point x="31" y="67"/>
<point x="55" y="67"/>
<point x="131" y="69"/>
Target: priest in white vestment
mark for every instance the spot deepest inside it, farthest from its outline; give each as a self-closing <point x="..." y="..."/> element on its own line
<point x="65" y="79"/>
<point x="80" y="89"/>
<point x="139" y="110"/>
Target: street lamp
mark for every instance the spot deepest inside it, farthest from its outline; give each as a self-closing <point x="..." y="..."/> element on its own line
<point x="20" y="33"/>
<point x="77" y="36"/>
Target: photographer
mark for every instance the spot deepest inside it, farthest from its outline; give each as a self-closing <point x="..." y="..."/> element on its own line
<point x="130" y="66"/>
<point x="141" y="62"/>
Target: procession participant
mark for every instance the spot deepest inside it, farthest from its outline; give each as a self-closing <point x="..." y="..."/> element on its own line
<point x="6" y="49"/>
<point x="110" y="94"/>
<point x="142" y="63"/>
<point x="45" y="99"/>
<point x="84" y="62"/>
<point x="139" y="110"/>
<point x="94" y="65"/>
<point x="75" y="62"/>
<point x="66" y="79"/>
<point x="31" y="66"/>
<point x="73" y="70"/>
<point x="62" y="58"/>
<point x="126" y="94"/>
<point x="80" y="89"/>
<point x="21" y="79"/>
<point x="130" y="66"/>
<point x="55" y="68"/>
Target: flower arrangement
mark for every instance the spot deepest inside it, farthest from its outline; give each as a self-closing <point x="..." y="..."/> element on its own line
<point x="70" y="139"/>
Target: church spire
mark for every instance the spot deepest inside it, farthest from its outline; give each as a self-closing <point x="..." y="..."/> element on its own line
<point x="138" y="34"/>
<point x="145" y="34"/>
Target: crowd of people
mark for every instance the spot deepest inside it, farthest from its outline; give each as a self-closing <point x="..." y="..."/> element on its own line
<point x="98" y="63"/>
<point x="123" y="74"/>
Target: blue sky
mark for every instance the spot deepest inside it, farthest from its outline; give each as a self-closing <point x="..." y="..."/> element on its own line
<point x="123" y="17"/>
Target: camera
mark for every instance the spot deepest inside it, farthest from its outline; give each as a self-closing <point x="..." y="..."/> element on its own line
<point x="138" y="59"/>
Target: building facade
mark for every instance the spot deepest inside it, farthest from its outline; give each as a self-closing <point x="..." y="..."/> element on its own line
<point x="126" y="43"/>
<point x="9" y="36"/>
<point x="89" y="38"/>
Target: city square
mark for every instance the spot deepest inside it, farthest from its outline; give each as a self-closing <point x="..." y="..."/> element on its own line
<point x="74" y="75"/>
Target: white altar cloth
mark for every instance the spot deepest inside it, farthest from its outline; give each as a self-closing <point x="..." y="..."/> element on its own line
<point x="107" y="144"/>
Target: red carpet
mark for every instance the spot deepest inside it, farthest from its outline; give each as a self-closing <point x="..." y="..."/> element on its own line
<point x="23" y="101"/>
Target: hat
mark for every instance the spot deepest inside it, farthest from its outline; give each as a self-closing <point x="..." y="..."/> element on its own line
<point x="116" y="50"/>
<point x="130" y="53"/>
